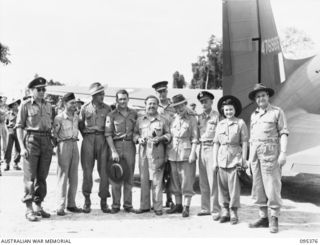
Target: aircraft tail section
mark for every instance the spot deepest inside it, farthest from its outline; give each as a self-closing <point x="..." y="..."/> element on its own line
<point x="251" y="48"/>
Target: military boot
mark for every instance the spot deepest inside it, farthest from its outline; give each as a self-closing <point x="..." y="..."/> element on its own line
<point x="234" y="216"/>
<point x="186" y="211"/>
<point x="274" y="227"/>
<point x="260" y="223"/>
<point x="87" y="205"/>
<point x="40" y="212"/>
<point x="104" y="206"/>
<point x="7" y="167"/>
<point x="175" y="209"/>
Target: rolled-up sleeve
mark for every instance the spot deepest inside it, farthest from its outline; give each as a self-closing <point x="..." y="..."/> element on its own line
<point x="109" y="126"/>
<point x="194" y="137"/>
<point x="282" y="123"/>
<point x="22" y="117"/>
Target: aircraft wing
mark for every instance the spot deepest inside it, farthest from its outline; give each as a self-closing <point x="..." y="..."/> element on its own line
<point x="303" y="143"/>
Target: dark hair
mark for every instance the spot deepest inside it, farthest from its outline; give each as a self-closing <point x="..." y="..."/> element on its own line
<point x="122" y="91"/>
<point x="227" y="102"/>
<point x="151" y="97"/>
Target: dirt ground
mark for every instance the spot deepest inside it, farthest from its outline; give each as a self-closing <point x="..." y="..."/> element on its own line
<point x="300" y="216"/>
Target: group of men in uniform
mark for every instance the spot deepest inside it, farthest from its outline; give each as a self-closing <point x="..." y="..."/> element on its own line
<point x="169" y="136"/>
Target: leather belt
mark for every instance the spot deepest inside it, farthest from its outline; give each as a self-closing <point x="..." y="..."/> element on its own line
<point x="123" y="139"/>
<point x="64" y="140"/>
<point x="94" y="132"/>
<point x="40" y="133"/>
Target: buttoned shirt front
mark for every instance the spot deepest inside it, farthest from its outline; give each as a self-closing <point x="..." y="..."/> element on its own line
<point x="149" y="127"/>
<point x="66" y="127"/>
<point x="35" y="116"/>
<point x="119" y="126"/>
<point x="94" y="117"/>
<point x="230" y="134"/>
<point x="268" y="124"/>
<point x="184" y="131"/>
<point x="207" y="125"/>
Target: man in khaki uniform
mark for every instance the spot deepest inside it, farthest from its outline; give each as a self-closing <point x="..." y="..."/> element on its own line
<point x="182" y="155"/>
<point x="268" y="145"/>
<point x="208" y="179"/>
<point x="119" y="133"/>
<point x="168" y="112"/>
<point x="12" y="136"/>
<point x="66" y="133"/>
<point x="3" y="128"/>
<point x="92" y="120"/>
<point x="152" y="133"/>
<point x="35" y="117"/>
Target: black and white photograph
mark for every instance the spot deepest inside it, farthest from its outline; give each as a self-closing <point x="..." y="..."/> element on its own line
<point x="151" y="119"/>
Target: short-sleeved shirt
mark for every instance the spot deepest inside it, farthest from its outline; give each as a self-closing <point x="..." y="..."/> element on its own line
<point x="66" y="127"/>
<point x="119" y="126"/>
<point x="184" y="132"/>
<point x="35" y="116"/>
<point x="93" y="117"/>
<point x="207" y="125"/>
<point x="150" y="127"/>
<point x="3" y="114"/>
<point x="11" y="119"/>
<point x="268" y="124"/>
<point x="230" y="135"/>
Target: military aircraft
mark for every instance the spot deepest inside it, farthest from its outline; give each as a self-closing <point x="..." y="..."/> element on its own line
<point x="251" y="54"/>
<point x="137" y="95"/>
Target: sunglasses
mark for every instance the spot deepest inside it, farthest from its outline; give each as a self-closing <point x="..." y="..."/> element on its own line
<point x="41" y="89"/>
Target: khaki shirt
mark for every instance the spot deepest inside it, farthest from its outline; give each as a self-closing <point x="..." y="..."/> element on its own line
<point x="268" y="125"/>
<point x="166" y="110"/>
<point x="93" y="118"/>
<point x="120" y="127"/>
<point x="34" y="116"/>
<point x="66" y="127"/>
<point x="149" y="127"/>
<point x="207" y="125"/>
<point x="3" y="114"/>
<point x="184" y="131"/>
<point x="11" y="119"/>
<point x="230" y="135"/>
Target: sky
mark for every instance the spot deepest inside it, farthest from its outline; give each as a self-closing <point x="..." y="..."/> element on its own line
<point x="122" y="43"/>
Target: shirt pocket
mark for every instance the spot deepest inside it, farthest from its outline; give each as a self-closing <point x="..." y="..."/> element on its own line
<point x="119" y="126"/>
<point x="143" y="131"/>
<point x="234" y="133"/>
<point x="185" y="130"/>
<point x="34" y="116"/>
<point x="89" y="119"/>
<point x="267" y="125"/>
<point x="212" y="126"/>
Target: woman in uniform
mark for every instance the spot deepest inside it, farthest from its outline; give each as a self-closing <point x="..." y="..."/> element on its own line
<point x="230" y="154"/>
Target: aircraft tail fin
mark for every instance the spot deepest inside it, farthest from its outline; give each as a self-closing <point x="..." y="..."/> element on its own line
<point x="251" y="48"/>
